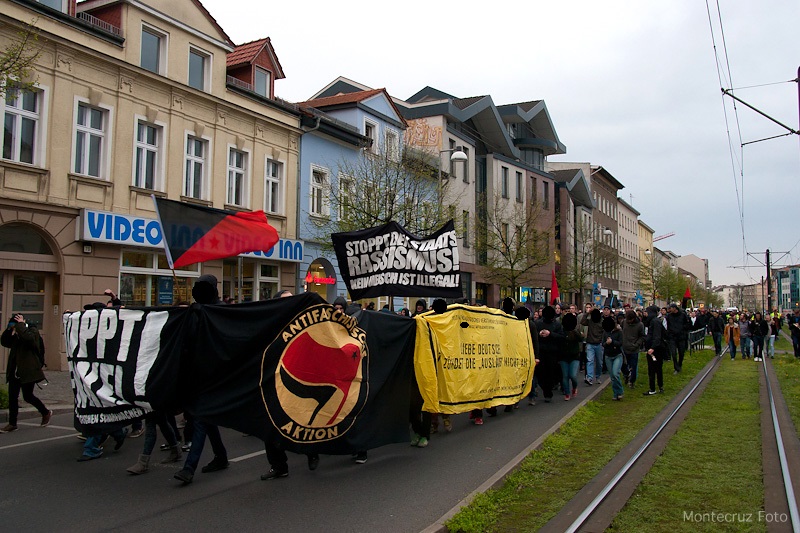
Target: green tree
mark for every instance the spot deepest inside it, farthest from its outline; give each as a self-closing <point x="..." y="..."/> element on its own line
<point x="589" y="259"/>
<point x="18" y="60"/>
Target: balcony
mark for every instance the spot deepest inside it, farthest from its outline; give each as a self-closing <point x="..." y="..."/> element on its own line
<point x="97" y="23"/>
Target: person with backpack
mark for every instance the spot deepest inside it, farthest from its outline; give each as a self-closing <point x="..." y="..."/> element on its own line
<point x="24" y="369"/>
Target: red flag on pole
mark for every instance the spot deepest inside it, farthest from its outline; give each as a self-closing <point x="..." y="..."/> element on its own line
<point x="554" y="295"/>
<point x="688" y="293"/>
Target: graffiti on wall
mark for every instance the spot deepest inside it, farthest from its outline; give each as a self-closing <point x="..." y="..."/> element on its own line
<point x="420" y="133"/>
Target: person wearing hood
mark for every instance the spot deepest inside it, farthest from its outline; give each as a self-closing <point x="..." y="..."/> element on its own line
<point x="594" y="349"/>
<point x="656" y="345"/>
<point x="340" y="303"/>
<point x="204" y="292"/>
<point x="24" y="369"/>
<point x="612" y="351"/>
<point x="551" y="344"/>
<point x="420" y="307"/>
<point x="632" y="343"/>
<point x="678" y="327"/>
<point x="569" y="357"/>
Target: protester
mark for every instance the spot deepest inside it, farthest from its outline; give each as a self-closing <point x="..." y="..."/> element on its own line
<point x="551" y="344"/>
<point x="569" y="357"/>
<point x="745" y="335"/>
<point x="716" y="327"/>
<point x="151" y="420"/>
<point x="794" y="328"/>
<point x="204" y="292"/>
<point x="759" y="329"/>
<point x="612" y="352"/>
<point x="594" y="351"/>
<point x="656" y="346"/>
<point x="632" y="343"/>
<point x="732" y="337"/>
<point x="678" y="326"/>
<point x="23" y="369"/>
<point x="774" y="328"/>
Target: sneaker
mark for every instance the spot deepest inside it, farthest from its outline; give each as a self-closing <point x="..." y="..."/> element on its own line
<point x="548" y="400"/>
<point x="478" y="421"/>
<point x="361" y="458"/>
<point x="164" y="447"/>
<point x="620" y="397"/>
<point x="448" y="426"/>
<point x="184" y="474"/>
<point x="423" y="442"/>
<point x="415" y="440"/>
<point x="566" y="397"/>
<point x="46" y="418"/>
<point x="574" y="392"/>
<point x="274" y="474"/>
<point x="588" y="381"/>
<point x="186" y="447"/>
<point x="661" y="390"/>
<point x="531" y="401"/>
<point x="434" y="428"/>
<point x="649" y="393"/>
<point x="217" y="463"/>
<point x="8" y="428"/>
<point x="135" y="433"/>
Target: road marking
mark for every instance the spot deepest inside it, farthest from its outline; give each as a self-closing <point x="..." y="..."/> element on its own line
<point x="243" y="457"/>
<point x="37" y="441"/>
<point x="49" y="426"/>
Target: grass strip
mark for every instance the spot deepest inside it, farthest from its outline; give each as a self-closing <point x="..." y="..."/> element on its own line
<point x="569" y="458"/>
<point x="787" y="368"/>
<point x="709" y="477"/>
<point x="782" y="343"/>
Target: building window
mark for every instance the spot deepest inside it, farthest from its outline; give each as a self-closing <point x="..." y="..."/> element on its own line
<point x="504" y="182"/>
<point x="262" y="82"/>
<point x="545" y="195"/>
<point x="371" y="131"/>
<point x="153" y="50"/>
<point x="21" y="124"/>
<point x="452" y="149"/>
<point x="319" y="184"/>
<point x="346" y="194"/>
<point x="519" y="186"/>
<point x="89" y="140"/>
<point x="272" y="187"/>
<point x="392" y="145"/>
<point x="147" y="281"/>
<point x="237" y="171"/>
<point x="504" y="236"/>
<point x="466" y="165"/>
<point x="148" y="146"/>
<point x="58" y="5"/>
<point x="194" y="179"/>
<point x="198" y="69"/>
<point x="465" y="229"/>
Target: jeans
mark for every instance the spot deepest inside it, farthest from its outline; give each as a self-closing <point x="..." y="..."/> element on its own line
<point x="717" y="342"/>
<point x="732" y="348"/>
<point x="633" y="366"/>
<point x="569" y="373"/>
<point x="770" y="348"/>
<point x="201" y="429"/>
<point x="614" y="365"/>
<point x="92" y="446"/>
<point x="594" y="361"/>
<point x="758" y="346"/>
<point x="150" y="433"/>
<point x="14" y="388"/>
<point x="745" y="347"/>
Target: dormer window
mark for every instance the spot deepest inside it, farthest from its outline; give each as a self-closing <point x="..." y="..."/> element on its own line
<point x="58" y="5"/>
<point x="371" y="131"/>
<point x="262" y="82"/>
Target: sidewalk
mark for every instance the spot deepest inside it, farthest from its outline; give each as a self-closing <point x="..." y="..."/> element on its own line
<point x="56" y="395"/>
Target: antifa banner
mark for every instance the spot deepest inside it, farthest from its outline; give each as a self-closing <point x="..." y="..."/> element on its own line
<point x="472" y="358"/>
<point x="390" y="261"/>
<point x="293" y="371"/>
<point x="194" y="233"/>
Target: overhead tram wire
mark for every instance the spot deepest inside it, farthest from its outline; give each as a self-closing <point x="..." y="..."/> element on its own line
<point x="734" y="160"/>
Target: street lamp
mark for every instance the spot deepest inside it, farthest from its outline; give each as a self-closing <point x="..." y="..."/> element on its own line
<point x="457" y="155"/>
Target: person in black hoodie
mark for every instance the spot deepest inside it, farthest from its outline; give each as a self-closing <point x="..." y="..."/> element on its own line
<point x="632" y="343"/>
<point x="551" y="344"/>
<point x="569" y="358"/>
<point x="716" y="326"/>
<point x="678" y="327"/>
<point x="594" y="350"/>
<point x="612" y="352"/>
<point x="760" y="329"/>
<point x="656" y="345"/>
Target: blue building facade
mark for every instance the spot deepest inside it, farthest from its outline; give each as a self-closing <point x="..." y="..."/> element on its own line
<point x="787" y="282"/>
<point x="338" y="131"/>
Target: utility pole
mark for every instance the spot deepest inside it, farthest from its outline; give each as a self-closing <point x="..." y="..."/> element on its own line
<point x="769" y="284"/>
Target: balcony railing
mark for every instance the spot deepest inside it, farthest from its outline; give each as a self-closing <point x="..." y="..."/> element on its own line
<point x="102" y="24"/>
<point x="236" y="82"/>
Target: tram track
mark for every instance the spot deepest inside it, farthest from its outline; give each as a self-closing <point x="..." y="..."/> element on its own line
<point x="594" y="508"/>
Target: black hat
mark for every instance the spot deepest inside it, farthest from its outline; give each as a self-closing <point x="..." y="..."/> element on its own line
<point x="96" y="305"/>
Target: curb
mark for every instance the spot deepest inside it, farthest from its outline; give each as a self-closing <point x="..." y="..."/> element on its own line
<point x="499" y="477"/>
<point x="27" y="413"/>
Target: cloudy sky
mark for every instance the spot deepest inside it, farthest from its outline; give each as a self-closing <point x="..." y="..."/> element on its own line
<point x="633" y="86"/>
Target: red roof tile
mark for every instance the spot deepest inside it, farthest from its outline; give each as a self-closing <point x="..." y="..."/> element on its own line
<point x="245" y="53"/>
<point x="346" y="98"/>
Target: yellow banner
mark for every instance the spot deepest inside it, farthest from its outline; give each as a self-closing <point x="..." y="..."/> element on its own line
<point x="472" y="357"/>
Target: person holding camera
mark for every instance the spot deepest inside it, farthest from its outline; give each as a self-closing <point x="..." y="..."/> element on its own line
<point x="24" y="369"/>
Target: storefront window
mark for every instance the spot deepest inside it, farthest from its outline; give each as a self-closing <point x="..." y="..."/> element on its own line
<point x="321" y="280"/>
<point x="147" y="281"/>
<point x="259" y="280"/>
<point x="28" y="297"/>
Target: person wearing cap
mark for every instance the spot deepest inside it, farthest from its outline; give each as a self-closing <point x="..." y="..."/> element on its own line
<point x="23" y="369"/>
<point x="678" y="327"/>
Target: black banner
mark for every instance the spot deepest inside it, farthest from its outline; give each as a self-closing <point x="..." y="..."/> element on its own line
<point x="292" y="370"/>
<point x="390" y="261"/>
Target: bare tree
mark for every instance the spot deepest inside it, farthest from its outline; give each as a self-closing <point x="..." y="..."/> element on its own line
<point x="517" y="240"/>
<point x="589" y="260"/>
<point x="18" y="59"/>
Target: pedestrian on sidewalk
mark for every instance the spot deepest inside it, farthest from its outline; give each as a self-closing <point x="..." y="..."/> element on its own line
<point x="656" y="345"/>
<point x="612" y="351"/>
<point x="732" y="337"/>
<point x="23" y="369"/>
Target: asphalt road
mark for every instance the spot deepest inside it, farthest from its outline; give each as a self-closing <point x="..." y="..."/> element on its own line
<point x="400" y="488"/>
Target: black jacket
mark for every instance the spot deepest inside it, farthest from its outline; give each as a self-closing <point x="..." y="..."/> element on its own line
<point x="23" y="364"/>
<point x="716" y="325"/>
<point x="553" y="344"/>
<point x="678" y="324"/>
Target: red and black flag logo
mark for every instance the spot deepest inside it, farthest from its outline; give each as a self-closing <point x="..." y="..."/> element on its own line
<point x="320" y="383"/>
<point x="193" y="234"/>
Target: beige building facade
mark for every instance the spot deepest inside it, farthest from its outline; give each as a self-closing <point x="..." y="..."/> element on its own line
<point x="134" y="99"/>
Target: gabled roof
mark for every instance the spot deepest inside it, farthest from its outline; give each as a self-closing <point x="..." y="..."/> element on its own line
<point x="538" y="118"/>
<point x="607" y="175"/>
<point x="354" y="98"/>
<point x="340" y="85"/>
<point x="212" y="20"/>
<point x="246" y="53"/>
<point x="577" y="185"/>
